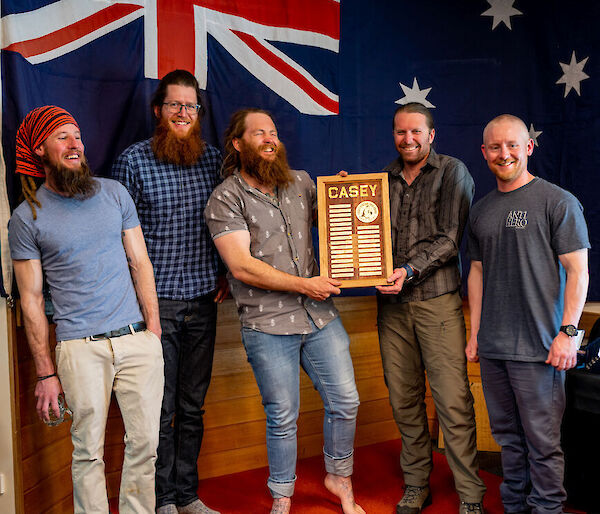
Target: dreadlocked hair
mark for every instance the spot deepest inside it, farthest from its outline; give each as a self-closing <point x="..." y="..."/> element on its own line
<point x="30" y="187"/>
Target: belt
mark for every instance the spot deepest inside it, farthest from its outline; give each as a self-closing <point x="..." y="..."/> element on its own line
<point x="123" y="331"/>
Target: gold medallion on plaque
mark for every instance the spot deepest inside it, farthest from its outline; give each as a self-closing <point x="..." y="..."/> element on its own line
<point x="354" y="229"/>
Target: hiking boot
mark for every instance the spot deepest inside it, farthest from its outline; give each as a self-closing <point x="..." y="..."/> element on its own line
<point x="466" y="508"/>
<point x="415" y="499"/>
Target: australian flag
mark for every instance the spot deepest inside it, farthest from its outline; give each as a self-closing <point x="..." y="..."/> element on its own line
<point x="331" y="71"/>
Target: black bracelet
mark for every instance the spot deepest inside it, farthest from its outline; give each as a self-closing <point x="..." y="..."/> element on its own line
<point x="46" y="376"/>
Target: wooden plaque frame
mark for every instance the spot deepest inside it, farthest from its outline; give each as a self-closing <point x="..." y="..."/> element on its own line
<point x="355" y="243"/>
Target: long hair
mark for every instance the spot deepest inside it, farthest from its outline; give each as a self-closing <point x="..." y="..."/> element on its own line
<point x="29" y="186"/>
<point x="235" y="130"/>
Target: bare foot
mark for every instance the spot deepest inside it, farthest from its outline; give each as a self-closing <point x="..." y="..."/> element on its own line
<point x="281" y="505"/>
<point x="342" y="488"/>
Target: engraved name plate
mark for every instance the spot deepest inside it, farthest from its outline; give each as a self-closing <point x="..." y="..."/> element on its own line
<point x="355" y="244"/>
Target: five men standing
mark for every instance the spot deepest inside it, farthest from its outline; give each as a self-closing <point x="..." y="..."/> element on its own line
<point x="528" y="282"/>
<point x="420" y="318"/>
<point x="527" y="287"/>
<point x="170" y="178"/>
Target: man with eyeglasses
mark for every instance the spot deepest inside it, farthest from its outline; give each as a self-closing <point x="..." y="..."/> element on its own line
<point x="170" y="177"/>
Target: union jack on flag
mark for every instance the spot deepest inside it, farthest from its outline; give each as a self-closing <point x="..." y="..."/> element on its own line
<point x="175" y="36"/>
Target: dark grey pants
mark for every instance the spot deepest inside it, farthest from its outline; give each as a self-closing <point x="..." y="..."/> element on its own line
<point x="525" y="402"/>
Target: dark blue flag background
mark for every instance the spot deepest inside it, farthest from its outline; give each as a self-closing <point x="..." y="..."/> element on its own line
<point x="479" y="59"/>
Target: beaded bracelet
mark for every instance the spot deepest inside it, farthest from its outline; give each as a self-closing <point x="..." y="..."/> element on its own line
<point x="46" y="376"/>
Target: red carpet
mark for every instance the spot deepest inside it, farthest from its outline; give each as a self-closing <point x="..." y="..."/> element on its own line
<point x="377" y="486"/>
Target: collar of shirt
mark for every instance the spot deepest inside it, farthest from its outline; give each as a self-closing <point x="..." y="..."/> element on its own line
<point x="271" y="199"/>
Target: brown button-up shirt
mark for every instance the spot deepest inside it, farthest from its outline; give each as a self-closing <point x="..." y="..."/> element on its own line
<point x="428" y="220"/>
<point x="280" y="235"/>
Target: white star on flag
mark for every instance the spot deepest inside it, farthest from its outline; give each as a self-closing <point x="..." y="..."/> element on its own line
<point x="534" y="134"/>
<point x="501" y="10"/>
<point x="573" y="74"/>
<point x="415" y="94"/>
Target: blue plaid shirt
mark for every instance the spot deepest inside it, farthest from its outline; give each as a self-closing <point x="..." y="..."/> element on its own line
<point x="170" y="201"/>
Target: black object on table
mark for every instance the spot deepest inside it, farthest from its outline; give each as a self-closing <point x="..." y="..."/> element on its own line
<point x="581" y="440"/>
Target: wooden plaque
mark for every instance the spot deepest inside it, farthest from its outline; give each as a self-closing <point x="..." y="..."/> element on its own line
<point x="355" y="244"/>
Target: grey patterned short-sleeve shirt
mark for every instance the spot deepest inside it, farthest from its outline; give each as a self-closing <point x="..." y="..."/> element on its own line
<point x="280" y="235"/>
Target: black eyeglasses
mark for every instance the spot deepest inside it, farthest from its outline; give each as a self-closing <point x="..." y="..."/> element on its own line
<point x="175" y="107"/>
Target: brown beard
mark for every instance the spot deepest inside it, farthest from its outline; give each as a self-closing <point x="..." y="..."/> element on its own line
<point x="73" y="183"/>
<point x="169" y="147"/>
<point x="268" y="173"/>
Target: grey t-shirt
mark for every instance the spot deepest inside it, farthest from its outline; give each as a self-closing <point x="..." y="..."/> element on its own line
<point x="280" y="235"/>
<point x="518" y="237"/>
<point x="81" y="251"/>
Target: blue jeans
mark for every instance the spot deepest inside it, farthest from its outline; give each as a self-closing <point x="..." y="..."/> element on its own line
<point x="188" y="339"/>
<point x="325" y="356"/>
<point x="525" y="402"/>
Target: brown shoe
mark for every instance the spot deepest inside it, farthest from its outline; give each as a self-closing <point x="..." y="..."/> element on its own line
<point x="415" y="499"/>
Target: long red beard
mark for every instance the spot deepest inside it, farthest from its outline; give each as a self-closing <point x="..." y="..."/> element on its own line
<point x="72" y="183"/>
<point x="268" y="173"/>
<point x="169" y="147"/>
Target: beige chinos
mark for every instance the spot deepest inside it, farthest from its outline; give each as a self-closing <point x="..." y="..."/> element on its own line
<point x="89" y="370"/>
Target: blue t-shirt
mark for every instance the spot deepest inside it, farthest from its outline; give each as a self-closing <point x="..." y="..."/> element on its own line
<point x="518" y="237"/>
<point x="80" y="247"/>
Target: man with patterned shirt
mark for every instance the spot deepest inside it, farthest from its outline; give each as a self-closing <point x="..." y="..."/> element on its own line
<point x="260" y="218"/>
<point x="420" y="319"/>
<point x="170" y="178"/>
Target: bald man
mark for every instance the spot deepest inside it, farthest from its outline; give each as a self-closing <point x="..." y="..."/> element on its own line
<point x="528" y="244"/>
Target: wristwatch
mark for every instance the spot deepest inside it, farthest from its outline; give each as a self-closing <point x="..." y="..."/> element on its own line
<point x="570" y="330"/>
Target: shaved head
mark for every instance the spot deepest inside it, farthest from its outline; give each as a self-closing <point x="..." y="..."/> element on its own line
<point x="506" y="118"/>
<point x="506" y="148"/>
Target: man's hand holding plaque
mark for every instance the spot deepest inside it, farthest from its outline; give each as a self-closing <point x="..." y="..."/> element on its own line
<point x="354" y="229"/>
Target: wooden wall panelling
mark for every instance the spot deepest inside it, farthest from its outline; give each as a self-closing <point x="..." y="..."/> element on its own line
<point x="15" y="388"/>
<point x="235" y="422"/>
<point x="45" y="451"/>
<point x="234" y="437"/>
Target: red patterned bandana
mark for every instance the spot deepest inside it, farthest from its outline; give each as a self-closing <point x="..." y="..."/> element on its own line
<point x="35" y="129"/>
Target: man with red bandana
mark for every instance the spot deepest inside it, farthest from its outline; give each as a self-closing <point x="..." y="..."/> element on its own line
<point x="170" y="177"/>
<point x="82" y="233"/>
<point x="420" y="318"/>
